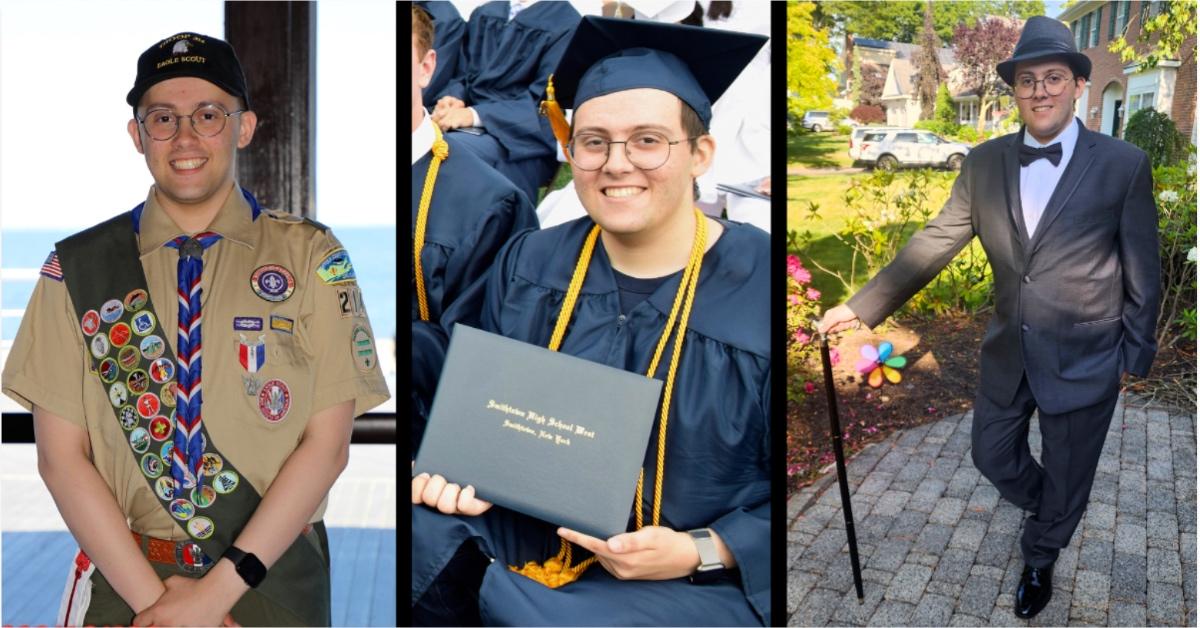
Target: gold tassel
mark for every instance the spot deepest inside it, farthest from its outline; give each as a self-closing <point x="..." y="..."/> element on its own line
<point x="558" y="120"/>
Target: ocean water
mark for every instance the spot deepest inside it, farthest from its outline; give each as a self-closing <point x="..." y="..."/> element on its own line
<point x="372" y="251"/>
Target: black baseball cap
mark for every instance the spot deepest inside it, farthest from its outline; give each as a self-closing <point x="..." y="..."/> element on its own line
<point x="190" y="54"/>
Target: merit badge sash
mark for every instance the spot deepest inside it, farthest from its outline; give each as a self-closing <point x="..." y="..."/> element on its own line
<point x="136" y="366"/>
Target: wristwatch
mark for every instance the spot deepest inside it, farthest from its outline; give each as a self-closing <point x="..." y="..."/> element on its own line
<point x="248" y="566"/>
<point x="711" y="567"/>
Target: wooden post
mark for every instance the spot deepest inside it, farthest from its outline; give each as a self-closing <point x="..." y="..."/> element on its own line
<point x="276" y="43"/>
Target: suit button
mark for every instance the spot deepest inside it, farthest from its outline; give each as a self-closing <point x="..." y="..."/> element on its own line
<point x="1024" y="327"/>
<point x="1026" y="279"/>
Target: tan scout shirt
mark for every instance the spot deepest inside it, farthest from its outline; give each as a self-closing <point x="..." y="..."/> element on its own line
<point x="317" y="359"/>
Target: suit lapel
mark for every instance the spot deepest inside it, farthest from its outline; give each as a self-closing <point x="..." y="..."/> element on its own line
<point x="1012" y="189"/>
<point x="1081" y="161"/>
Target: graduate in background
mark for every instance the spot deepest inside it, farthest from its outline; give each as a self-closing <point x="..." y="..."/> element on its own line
<point x="507" y="55"/>
<point x="463" y="211"/>
<point x="448" y="32"/>
<point x="698" y="547"/>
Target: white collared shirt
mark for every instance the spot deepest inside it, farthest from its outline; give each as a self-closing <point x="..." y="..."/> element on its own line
<point x="422" y="137"/>
<point x="1039" y="178"/>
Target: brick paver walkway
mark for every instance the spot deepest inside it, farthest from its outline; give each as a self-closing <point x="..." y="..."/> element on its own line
<point x="938" y="546"/>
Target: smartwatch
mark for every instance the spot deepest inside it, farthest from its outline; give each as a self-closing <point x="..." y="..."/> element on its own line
<point x="248" y="566"/>
<point x="711" y="568"/>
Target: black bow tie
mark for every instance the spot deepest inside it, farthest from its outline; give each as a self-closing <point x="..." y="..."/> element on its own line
<point x="1030" y="154"/>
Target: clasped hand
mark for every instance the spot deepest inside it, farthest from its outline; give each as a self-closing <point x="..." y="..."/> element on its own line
<point x="652" y="553"/>
<point x="184" y="603"/>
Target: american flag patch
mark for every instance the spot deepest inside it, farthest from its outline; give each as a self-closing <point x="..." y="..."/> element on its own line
<point x="51" y="268"/>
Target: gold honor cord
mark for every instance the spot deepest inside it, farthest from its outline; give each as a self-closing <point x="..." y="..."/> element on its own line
<point x="441" y="150"/>
<point x="557" y="571"/>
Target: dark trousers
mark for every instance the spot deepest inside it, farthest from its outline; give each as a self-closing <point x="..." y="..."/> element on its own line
<point x="1055" y="491"/>
<point x="453" y="598"/>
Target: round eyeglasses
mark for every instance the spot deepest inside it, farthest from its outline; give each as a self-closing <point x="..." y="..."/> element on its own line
<point x="646" y="150"/>
<point x="207" y="121"/>
<point x="1054" y="84"/>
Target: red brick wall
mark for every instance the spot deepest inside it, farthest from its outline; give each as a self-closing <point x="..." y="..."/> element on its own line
<point x="1107" y="67"/>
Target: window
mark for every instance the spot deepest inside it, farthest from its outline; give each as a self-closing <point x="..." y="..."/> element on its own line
<point x="906" y="137"/>
<point x="1146" y="10"/>
<point x="1095" y="41"/>
<point x="927" y="138"/>
<point x="1085" y="29"/>
<point x="1122" y="16"/>
<point x="1075" y="31"/>
<point x="1137" y="102"/>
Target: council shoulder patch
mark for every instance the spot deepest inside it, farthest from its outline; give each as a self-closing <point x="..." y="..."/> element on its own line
<point x="336" y="268"/>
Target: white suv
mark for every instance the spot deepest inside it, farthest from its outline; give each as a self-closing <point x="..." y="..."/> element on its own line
<point x="816" y="121"/>
<point x="894" y="148"/>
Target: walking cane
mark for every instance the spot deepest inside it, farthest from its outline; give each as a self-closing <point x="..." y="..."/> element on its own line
<point x="835" y="428"/>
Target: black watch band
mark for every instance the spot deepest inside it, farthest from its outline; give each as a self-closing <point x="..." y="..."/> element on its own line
<point x="248" y="566"/>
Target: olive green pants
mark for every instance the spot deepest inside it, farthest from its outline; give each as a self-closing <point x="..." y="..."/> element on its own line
<point x="254" y="609"/>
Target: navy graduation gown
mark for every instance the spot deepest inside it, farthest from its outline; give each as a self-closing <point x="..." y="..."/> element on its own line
<point x="448" y="31"/>
<point x="502" y="73"/>
<point x="717" y="462"/>
<point x="473" y="212"/>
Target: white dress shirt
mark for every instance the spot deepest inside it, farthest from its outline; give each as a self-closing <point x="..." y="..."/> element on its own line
<point x="422" y="138"/>
<point x="1039" y="178"/>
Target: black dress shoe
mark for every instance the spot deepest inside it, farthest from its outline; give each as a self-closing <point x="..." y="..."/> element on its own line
<point x="1033" y="591"/>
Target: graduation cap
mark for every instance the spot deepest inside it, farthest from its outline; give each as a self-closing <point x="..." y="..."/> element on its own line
<point x="607" y="55"/>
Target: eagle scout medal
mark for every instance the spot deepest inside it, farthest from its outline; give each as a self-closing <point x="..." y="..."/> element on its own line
<point x="128" y="357"/>
<point x="164" y="488"/>
<point x="225" y="482"/>
<point x="247" y="323"/>
<point x="274" y="400"/>
<point x="363" y="348"/>
<point x="282" y="324"/>
<point x="111" y="311"/>
<point x="190" y="557"/>
<point x="160" y="428"/>
<point x="152" y="465"/>
<point x="118" y="336"/>
<point x="138" y="382"/>
<point x="152" y="347"/>
<point x="136" y="300"/>
<point x="100" y="346"/>
<point x="336" y="267"/>
<point x="182" y="509"/>
<point x="118" y="394"/>
<point x="162" y="370"/>
<point x="203" y="496"/>
<point x="200" y="527"/>
<point x="252" y="355"/>
<point x="210" y="464"/>
<point x="90" y="323"/>
<point x="139" y="440"/>
<point x="128" y="417"/>
<point x="108" y="371"/>
<point x="273" y="283"/>
<point x="148" y="405"/>
<point x="143" y="323"/>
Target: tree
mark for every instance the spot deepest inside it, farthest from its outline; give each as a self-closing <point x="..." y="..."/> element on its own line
<point x="978" y="49"/>
<point x="811" y="61"/>
<point x="1175" y="21"/>
<point x="902" y="21"/>
<point x="945" y="113"/>
<point x="1155" y="133"/>
<point x="929" y="68"/>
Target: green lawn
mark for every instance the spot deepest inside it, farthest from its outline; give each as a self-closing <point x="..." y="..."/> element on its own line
<point x="818" y="150"/>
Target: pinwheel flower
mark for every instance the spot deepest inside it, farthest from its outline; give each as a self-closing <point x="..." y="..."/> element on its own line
<point x="880" y="363"/>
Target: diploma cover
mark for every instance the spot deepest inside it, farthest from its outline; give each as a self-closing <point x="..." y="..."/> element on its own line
<point x="543" y="433"/>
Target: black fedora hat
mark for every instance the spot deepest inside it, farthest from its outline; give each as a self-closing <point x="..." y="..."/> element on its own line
<point x="1045" y="37"/>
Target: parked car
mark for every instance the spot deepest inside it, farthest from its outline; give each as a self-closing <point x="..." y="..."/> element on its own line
<point x="816" y="121"/>
<point x="895" y="148"/>
<point x="857" y="135"/>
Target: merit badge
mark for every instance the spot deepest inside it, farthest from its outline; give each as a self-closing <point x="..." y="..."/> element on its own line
<point x="160" y="428"/>
<point x="152" y="465"/>
<point x="138" y="382"/>
<point x="252" y="385"/>
<point x="350" y="302"/>
<point x="108" y="370"/>
<point x="90" y="322"/>
<point x="100" y="346"/>
<point x="182" y="509"/>
<point x="118" y="336"/>
<point x="282" y="323"/>
<point x="274" y="400"/>
<point x="273" y="282"/>
<point x="189" y="557"/>
<point x="152" y="347"/>
<point x="252" y="355"/>
<point x="164" y="488"/>
<point x="162" y="370"/>
<point x="210" y="464"/>
<point x="165" y="453"/>
<point x="139" y="439"/>
<point x="143" y="323"/>
<point x="118" y="394"/>
<point x="148" y="405"/>
<point x="168" y="394"/>
<point x="225" y="482"/>
<point x="128" y="417"/>
<point x="336" y="268"/>
<point x="200" y="527"/>
<point x="203" y="496"/>
<point x="111" y="311"/>
<point x="128" y="357"/>
<point x="363" y="348"/>
<point x="136" y="300"/>
<point x="247" y="323"/>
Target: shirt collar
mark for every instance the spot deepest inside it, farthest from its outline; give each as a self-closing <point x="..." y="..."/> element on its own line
<point x="422" y="138"/>
<point x="234" y="221"/>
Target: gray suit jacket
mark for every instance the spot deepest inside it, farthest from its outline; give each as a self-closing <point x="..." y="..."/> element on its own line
<point x="1077" y="304"/>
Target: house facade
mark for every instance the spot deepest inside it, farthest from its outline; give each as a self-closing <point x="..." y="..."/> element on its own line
<point x="1116" y="90"/>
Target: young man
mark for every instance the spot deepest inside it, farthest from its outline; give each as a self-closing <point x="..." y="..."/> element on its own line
<point x="463" y="211"/>
<point x="1068" y="221"/>
<point x="509" y="50"/>
<point x="697" y="550"/>
<point x="193" y="508"/>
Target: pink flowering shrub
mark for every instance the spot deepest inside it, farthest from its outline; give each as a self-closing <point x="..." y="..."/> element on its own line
<point x="803" y="309"/>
